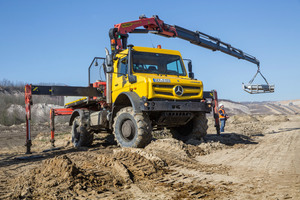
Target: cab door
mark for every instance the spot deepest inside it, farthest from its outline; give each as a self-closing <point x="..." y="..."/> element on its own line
<point x="120" y="78"/>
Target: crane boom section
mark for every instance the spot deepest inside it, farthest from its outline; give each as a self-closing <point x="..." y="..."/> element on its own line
<point x="212" y="43"/>
<point x="119" y="35"/>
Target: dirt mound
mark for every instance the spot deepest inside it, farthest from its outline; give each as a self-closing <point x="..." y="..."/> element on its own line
<point x="210" y="145"/>
<point x="274" y="118"/>
<point x="173" y="147"/>
<point x="148" y="155"/>
<point x="139" y="166"/>
<point x="55" y="178"/>
<point x="80" y="175"/>
<point x="93" y="175"/>
<point x="178" y="154"/>
<point x="237" y="119"/>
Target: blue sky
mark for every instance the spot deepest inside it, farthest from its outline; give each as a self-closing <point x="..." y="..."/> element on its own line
<point x="55" y="41"/>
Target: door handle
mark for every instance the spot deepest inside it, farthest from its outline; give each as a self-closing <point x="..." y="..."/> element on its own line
<point x="116" y="84"/>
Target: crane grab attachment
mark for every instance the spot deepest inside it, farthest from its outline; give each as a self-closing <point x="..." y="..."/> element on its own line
<point x="258" y="88"/>
<point x="119" y="35"/>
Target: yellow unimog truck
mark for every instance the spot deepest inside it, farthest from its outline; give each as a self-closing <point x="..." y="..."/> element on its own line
<point x="151" y="88"/>
<point x="144" y="89"/>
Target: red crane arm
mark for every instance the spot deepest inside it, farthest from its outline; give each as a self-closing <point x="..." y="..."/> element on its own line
<point x="150" y="24"/>
<point x="119" y="33"/>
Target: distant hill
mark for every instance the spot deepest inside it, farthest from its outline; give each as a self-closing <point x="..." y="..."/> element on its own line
<point x="288" y="107"/>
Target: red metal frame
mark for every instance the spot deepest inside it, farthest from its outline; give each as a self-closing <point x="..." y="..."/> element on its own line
<point x="53" y="112"/>
<point x="101" y="85"/>
<point x="57" y="112"/>
<point x="215" y="111"/>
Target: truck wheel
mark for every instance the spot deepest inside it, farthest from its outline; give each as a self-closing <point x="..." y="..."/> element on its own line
<point x="200" y="125"/>
<point x="196" y="128"/>
<point x="80" y="135"/>
<point x="132" y="129"/>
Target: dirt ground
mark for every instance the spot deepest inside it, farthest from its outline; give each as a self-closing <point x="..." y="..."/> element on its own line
<point x="258" y="157"/>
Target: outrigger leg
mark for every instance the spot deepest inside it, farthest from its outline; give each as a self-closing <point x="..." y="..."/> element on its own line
<point x="28" y="103"/>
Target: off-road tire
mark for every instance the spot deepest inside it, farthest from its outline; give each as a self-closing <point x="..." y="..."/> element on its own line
<point x="132" y="129"/>
<point x="80" y="135"/>
<point x="195" y="128"/>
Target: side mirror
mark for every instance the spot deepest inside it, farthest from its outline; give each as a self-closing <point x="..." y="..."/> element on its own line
<point x="190" y="67"/>
<point x="131" y="78"/>
<point x="108" y="59"/>
<point x="108" y="62"/>
<point x="191" y="75"/>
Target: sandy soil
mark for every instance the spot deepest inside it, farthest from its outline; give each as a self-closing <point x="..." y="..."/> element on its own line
<point x="257" y="158"/>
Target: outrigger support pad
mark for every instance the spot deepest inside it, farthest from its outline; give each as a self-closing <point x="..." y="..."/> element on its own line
<point x="258" y="88"/>
<point x="28" y="147"/>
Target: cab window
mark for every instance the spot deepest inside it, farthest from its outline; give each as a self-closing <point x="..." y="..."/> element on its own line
<point x="157" y="63"/>
<point x="122" y="67"/>
<point x="175" y="67"/>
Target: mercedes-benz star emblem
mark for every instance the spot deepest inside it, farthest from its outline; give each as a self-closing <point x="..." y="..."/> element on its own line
<point x="178" y="90"/>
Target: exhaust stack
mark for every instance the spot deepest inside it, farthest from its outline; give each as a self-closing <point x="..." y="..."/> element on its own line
<point x="109" y="70"/>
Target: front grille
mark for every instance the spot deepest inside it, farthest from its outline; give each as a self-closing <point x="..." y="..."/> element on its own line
<point x="190" y="87"/>
<point x="167" y="90"/>
<point x="164" y="93"/>
<point x="189" y="94"/>
<point x="163" y="86"/>
<point x="172" y="86"/>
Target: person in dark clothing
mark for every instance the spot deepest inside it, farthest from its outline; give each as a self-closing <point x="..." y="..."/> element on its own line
<point x="223" y="117"/>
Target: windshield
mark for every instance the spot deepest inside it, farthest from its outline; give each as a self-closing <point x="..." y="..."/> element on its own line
<point x="155" y="63"/>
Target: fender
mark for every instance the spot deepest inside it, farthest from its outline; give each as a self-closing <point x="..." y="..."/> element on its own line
<point x="78" y="112"/>
<point x="134" y="101"/>
<point x="123" y="100"/>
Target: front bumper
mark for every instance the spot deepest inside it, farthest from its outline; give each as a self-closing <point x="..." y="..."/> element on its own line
<point x="184" y="106"/>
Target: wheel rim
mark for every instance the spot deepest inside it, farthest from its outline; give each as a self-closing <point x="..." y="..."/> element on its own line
<point x="128" y="130"/>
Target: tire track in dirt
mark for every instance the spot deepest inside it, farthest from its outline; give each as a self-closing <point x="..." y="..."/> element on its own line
<point x="183" y="177"/>
<point x="171" y="184"/>
<point x="271" y="168"/>
<point x="233" y="166"/>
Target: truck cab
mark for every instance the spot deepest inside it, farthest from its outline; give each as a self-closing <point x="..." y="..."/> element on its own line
<point x="155" y="84"/>
<point x="157" y="73"/>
